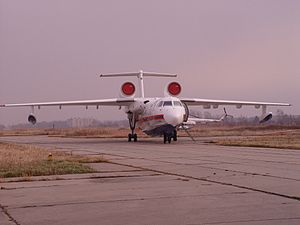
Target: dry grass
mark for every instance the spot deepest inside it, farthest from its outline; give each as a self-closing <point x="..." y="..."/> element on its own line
<point x="255" y="130"/>
<point x="26" y="160"/>
<point x="73" y="132"/>
<point x="198" y="131"/>
<point x="289" y="139"/>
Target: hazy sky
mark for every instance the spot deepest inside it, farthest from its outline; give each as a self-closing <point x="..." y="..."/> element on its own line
<point x="227" y="49"/>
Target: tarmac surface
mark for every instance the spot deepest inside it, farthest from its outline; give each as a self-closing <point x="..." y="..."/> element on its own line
<point x="153" y="183"/>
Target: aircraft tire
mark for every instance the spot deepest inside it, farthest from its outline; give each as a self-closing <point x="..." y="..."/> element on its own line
<point x="175" y="135"/>
<point x="165" y="138"/>
<point x="169" y="139"/>
<point x="129" y="137"/>
<point x="135" y="137"/>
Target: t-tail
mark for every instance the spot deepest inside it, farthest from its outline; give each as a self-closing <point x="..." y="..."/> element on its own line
<point x="140" y="75"/>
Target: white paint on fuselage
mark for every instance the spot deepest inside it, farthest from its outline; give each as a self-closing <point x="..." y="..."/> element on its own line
<point x="152" y="113"/>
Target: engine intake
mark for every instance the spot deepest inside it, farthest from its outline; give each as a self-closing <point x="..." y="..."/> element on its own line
<point x="32" y="119"/>
<point x="174" y="88"/>
<point x="128" y="89"/>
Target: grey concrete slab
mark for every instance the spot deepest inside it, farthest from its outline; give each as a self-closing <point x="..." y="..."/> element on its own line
<point x="4" y="219"/>
<point x="109" y="167"/>
<point x="143" y="200"/>
<point x="180" y="183"/>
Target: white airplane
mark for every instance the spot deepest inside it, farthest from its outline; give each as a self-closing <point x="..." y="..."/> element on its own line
<point x="160" y="116"/>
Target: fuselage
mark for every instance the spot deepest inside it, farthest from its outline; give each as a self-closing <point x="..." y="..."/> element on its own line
<point x="158" y="116"/>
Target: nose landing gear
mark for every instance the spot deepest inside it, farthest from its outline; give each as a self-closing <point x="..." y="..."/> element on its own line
<point x="132" y="123"/>
<point x="168" y="137"/>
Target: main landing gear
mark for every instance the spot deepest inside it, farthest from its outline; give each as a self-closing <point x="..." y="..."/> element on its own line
<point x="132" y="123"/>
<point x="168" y="137"/>
<point x="132" y="136"/>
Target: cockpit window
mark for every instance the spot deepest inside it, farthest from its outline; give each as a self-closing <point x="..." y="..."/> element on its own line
<point x="167" y="103"/>
<point x="160" y="104"/>
<point x="177" y="103"/>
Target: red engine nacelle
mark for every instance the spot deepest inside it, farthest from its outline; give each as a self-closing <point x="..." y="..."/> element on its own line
<point x="128" y="89"/>
<point x="174" y="88"/>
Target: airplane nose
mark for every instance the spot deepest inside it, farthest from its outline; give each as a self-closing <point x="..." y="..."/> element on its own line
<point x="174" y="118"/>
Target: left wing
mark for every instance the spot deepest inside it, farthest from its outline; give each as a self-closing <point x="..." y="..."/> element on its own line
<point x="200" y="120"/>
<point x="195" y="119"/>
<point x="106" y="102"/>
<point x="207" y="103"/>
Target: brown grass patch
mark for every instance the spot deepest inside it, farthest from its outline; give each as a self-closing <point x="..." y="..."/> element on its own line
<point x="255" y="130"/>
<point x="284" y="140"/>
<point x="73" y="132"/>
<point x="25" y="160"/>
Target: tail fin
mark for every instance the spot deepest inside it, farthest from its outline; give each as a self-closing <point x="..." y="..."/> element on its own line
<point x="140" y="76"/>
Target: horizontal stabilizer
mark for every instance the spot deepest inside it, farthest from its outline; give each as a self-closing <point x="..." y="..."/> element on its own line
<point x="135" y="74"/>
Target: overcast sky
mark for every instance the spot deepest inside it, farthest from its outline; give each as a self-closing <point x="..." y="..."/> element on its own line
<point x="234" y="49"/>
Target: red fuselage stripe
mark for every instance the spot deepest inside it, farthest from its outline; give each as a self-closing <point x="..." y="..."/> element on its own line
<point x="154" y="117"/>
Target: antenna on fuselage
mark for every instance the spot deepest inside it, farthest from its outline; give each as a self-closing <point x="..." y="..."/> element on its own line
<point x="140" y="75"/>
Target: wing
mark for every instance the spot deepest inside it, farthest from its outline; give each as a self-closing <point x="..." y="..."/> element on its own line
<point x="200" y="120"/>
<point x="105" y="102"/>
<point x="207" y="103"/>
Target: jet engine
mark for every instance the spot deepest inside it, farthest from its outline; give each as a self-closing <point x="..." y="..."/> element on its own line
<point x="173" y="88"/>
<point x="32" y="119"/>
<point x="266" y="117"/>
<point x="127" y="89"/>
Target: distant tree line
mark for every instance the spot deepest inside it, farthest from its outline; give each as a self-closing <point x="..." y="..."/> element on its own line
<point x="280" y="118"/>
<point x="70" y="123"/>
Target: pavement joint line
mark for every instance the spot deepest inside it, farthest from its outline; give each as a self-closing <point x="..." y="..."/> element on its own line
<point x="207" y="167"/>
<point x="248" y="173"/>
<point x="10" y="217"/>
<point x="123" y="200"/>
<point x="216" y="182"/>
<point x="17" y="188"/>
<point x="245" y="221"/>
<point x="60" y="177"/>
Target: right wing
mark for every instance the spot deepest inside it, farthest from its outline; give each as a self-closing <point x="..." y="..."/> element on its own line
<point x="105" y="102"/>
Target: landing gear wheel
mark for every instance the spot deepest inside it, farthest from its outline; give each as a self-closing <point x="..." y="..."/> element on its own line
<point x="135" y="137"/>
<point x="165" y="138"/>
<point x="129" y="137"/>
<point x="175" y="135"/>
<point x="169" y="139"/>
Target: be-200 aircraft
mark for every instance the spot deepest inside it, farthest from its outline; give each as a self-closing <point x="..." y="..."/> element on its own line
<point x="156" y="116"/>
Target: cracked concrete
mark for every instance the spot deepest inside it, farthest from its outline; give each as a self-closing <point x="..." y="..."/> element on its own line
<point x="6" y="218"/>
<point x="151" y="183"/>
